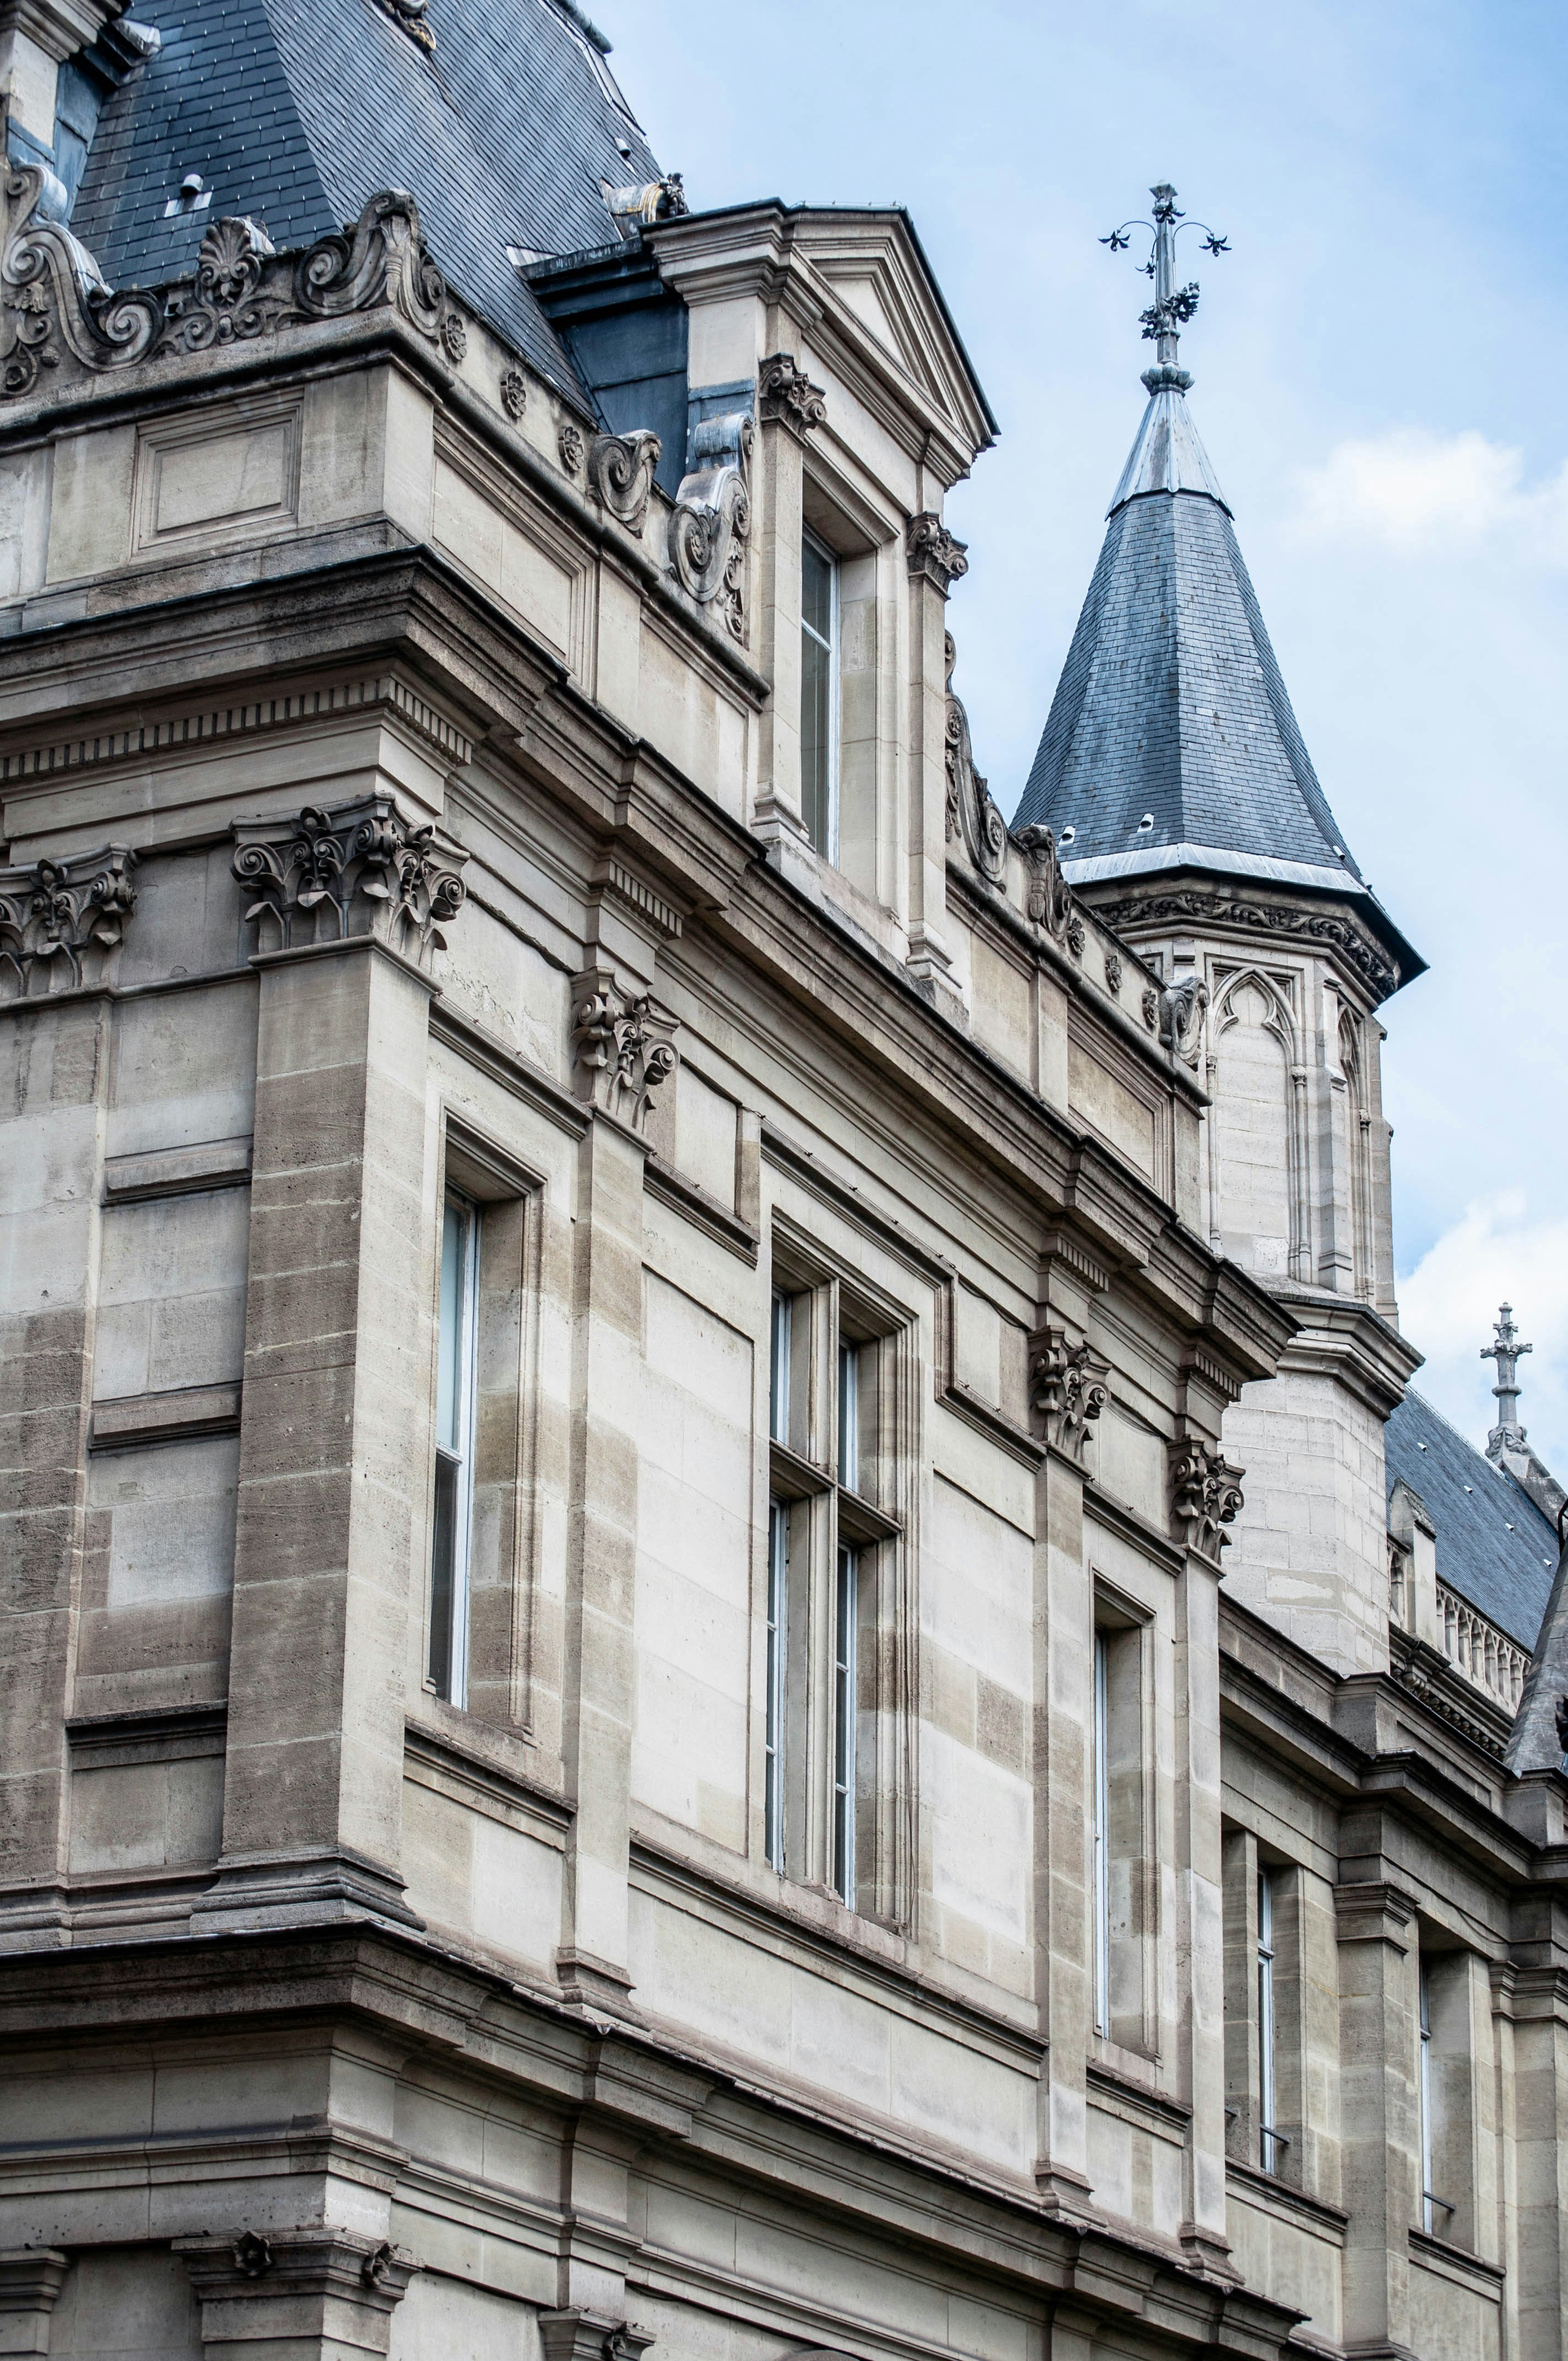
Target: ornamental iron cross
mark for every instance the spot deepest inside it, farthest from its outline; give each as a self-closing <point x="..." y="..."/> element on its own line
<point x="1507" y="1352"/>
<point x="1172" y="304"/>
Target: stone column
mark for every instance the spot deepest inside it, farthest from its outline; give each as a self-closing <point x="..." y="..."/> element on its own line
<point x="60" y="930"/>
<point x="1381" y="2132"/>
<point x="788" y="407"/>
<point x="334" y="1458"/>
<point x="936" y="559"/>
<point x="1067" y="1393"/>
<point x="295" y="2295"/>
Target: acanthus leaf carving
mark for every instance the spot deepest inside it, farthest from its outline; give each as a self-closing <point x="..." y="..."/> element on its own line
<point x="785" y="392"/>
<point x="61" y="922"/>
<point x="972" y="813"/>
<point x="360" y="869"/>
<point x="620" y="473"/>
<point x="1068" y="1388"/>
<point x="225" y="303"/>
<point x="711" y="523"/>
<point x="623" y="1045"/>
<point x="52" y="294"/>
<point x="1048" y="898"/>
<point x="1205" y="1496"/>
<point x="936" y="555"/>
<point x="379" y="259"/>
<point x="1182" y="1008"/>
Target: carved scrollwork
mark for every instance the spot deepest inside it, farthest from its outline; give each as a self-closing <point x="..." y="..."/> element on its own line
<point x="226" y="302"/>
<point x="379" y="259"/>
<point x="710" y="528"/>
<point x="620" y="473"/>
<point x="1183" y="1007"/>
<point x="514" y="392"/>
<point x="971" y="812"/>
<point x="1068" y="1388"/>
<point x="359" y="870"/>
<point x="1205" y="1496"/>
<point x="624" y="1047"/>
<point x="1114" y="974"/>
<point x="571" y="445"/>
<point x="935" y="555"/>
<point x="786" y="393"/>
<point x="1048" y="898"/>
<point x="53" y="300"/>
<point x="1314" y="925"/>
<point x="61" y="922"/>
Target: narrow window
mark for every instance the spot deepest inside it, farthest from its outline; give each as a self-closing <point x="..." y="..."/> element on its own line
<point x="845" y="1617"/>
<point x="454" y="1404"/>
<point x="1101" y="1834"/>
<point x="778" y="1570"/>
<point x="848" y="1416"/>
<point x="1429" y="2201"/>
<point x="819" y="697"/>
<point x="778" y="1370"/>
<point x="1269" y="2141"/>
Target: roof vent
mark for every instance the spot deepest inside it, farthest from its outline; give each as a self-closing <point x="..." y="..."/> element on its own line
<point x="194" y="197"/>
<point x="1068" y="834"/>
<point x="1145" y="824"/>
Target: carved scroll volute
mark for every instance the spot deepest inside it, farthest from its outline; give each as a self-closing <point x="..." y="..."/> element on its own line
<point x="711" y="523"/>
<point x="935" y="555"/>
<point x="381" y="259"/>
<point x="623" y="1046"/>
<point x="1205" y="1496"/>
<point x="972" y="813"/>
<point x="1182" y="1008"/>
<point x="620" y="473"/>
<point x="1048" y="896"/>
<point x="1068" y="1388"/>
<point x="358" y="869"/>
<point x="61" y="922"/>
<point x="53" y="301"/>
<point x="786" y="394"/>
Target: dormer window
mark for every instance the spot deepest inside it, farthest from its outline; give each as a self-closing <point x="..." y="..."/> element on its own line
<point x="819" y="695"/>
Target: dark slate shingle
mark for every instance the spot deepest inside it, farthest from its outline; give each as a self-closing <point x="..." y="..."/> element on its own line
<point x="1493" y="1546"/>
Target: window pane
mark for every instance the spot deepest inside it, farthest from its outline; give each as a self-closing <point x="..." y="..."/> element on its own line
<point x="1102" y="1837"/>
<point x="443" y="1570"/>
<point x="454" y="1319"/>
<point x="816" y="742"/>
<point x="816" y="591"/>
<point x="778" y="1370"/>
<point x="848" y="1416"/>
<point x="454" y="1404"/>
<point x="778" y="1564"/>
<point x="844" y="1620"/>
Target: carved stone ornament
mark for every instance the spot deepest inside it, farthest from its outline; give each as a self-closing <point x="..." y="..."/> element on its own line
<point x="1112" y="972"/>
<point x="710" y="529"/>
<point x="972" y="813"/>
<point x="410" y="15"/>
<point x="53" y="304"/>
<point x="936" y="555"/>
<point x="514" y="393"/>
<point x="1048" y="898"/>
<point x="785" y="392"/>
<point x="620" y="473"/>
<point x="1076" y="936"/>
<point x="61" y="922"/>
<point x="579" y="2336"/>
<point x="56" y="311"/>
<point x="292" y="2284"/>
<point x="1205" y="1496"/>
<point x="1313" y="926"/>
<point x="1183" y="1007"/>
<point x="623" y="1046"/>
<point x="571" y="445"/>
<point x="1066" y="1388"/>
<point x="1151" y="1005"/>
<point x="359" y="870"/>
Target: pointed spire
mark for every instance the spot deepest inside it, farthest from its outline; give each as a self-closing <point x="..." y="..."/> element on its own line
<point x="1507" y="1351"/>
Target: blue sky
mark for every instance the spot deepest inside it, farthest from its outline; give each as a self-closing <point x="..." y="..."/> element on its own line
<point x="1380" y="365"/>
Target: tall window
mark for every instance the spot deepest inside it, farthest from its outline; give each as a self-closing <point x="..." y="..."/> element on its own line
<point x="1102" y="1740"/>
<point x="1270" y="2142"/>
<point x="455" y="1388"/>
<point x="778" y="1579"/>
<point x="1423" y="2070"/>
<point x="819" y="697"/>
<point x="845" y="1619"/>
<point x="1120" y="1870"/>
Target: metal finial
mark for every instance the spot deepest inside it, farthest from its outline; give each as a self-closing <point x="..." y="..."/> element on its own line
<point x="1172" y="304"/>
<point x="1508" y="1435"/>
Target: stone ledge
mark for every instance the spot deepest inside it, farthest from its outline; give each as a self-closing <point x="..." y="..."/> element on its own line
<point x="176" y="1172"/>
<point x="128" y="1419"/>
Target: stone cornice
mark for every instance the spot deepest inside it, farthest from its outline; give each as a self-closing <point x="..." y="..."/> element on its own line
<point x="1342" y="1336"/>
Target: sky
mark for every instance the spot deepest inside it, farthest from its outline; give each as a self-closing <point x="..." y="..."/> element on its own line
<point x="1380" y="364"/>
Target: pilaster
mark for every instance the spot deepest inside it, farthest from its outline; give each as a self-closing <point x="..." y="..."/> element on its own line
<point x="316" y="2294"/>
<point x="30" y="2281"/>
<point x="936" y="561"/>
<point x="1381" y="2144"/>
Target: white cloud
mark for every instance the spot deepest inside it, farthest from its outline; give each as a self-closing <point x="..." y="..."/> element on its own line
<point x="1496" y="1253"/>
<point x="1417" y="492"/>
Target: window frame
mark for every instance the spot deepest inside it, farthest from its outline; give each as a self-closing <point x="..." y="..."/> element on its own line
<point x="451" y="1683"/>
<point x="831" y="648"/>
<point x="1270" y="2141"/>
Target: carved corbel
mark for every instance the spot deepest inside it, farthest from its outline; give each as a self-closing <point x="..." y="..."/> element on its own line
<point x="1183" y="1007"/>
<point x="30" y="2281"/>
<point x="711" y="525"/>
<point x="935" y="555"/>
<point x="786" y="394"/>
<point x="972" y="813"/>
<point x="1205" y="1496"/>
<point x="296" y="2284"/>
<point x="620" y="473"/>
<point x="1048" y="898"/>
<point x="1068" y="1388"/>
<point x="574" y="2334"/>
<point x="53" y="300"/>
<point x="623" y="1046"/>
<point x="61" y="922"/>
<point x="358" y="869"/>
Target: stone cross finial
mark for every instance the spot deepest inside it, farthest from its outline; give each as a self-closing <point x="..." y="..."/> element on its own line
<point x="1508" y="1435"/>
<point x="1172" y="304"/>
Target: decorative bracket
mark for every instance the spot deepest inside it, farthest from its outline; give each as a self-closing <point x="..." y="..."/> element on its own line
<point x="935" y="555"/>
<point x="293" y="2284"/>
<point x="786" y="394"/>
<point x="1205" y="1496"/>
<point x="61" y="922"/>
<point x="1068" y="1388"/>
<point x="712" y="522"/>
<point x="356" y="870"/>
<point x="576" y="2336"/>
<point x="1048" y="899"/>
<point x="1183" y="1007"/>
<point x="620" y="473"/>
<point x="971" y="812"/>
<point x="624" y="1047"/>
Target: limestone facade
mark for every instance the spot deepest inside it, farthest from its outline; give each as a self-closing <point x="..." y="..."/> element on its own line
<point x="622" y="1727"/>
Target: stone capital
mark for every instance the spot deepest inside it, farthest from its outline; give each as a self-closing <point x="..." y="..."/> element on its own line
<point x="572" y="2334"/>
<point x="786" y="396"/>
<point x="935" y="555"/>
<point x="623" y="1046"/>
<point x="332" y="2289"/>
<point x="1205" y="1496"/>
<point x="61" y="922"/>
<point x="30" y="2281"/>
<point x="357" y="869"/>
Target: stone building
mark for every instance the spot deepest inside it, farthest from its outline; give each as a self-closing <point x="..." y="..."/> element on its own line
<point x="643" y="1706"/>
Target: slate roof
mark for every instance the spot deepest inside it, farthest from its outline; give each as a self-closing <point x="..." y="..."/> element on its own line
<point x="1493" y="1546"/>
<point x="295" y="112"/>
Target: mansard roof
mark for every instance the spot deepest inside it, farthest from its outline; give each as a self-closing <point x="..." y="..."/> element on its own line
<point x="1171" y="743"/>
<point x="506" y="131"/>
<point x="1493" y="1546"/>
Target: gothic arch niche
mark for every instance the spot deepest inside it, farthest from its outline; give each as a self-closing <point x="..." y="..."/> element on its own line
<point x="1359" y="1150"/>
<point x="1254" y="1124"/>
